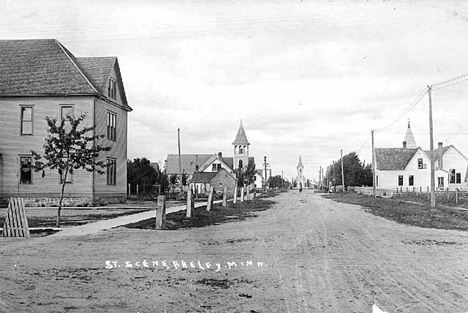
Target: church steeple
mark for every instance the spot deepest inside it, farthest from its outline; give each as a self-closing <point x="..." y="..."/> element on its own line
<point x="300" y="165"/>
<point x="409" y="138"/>
<point x="241" y="138"/>
<point x="241" y="149"/>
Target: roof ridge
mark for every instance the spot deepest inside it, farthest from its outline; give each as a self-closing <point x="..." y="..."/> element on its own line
<point x="69" y="56"/>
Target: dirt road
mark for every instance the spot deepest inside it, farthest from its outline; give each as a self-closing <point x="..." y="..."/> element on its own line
<point x="305" y="254"/>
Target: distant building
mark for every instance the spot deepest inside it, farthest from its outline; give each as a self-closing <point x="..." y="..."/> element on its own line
<point x="409" y="167"/>
<point x="40" y="78"/>
<point x="300" y="181"/>
<point x="197" y="165"/>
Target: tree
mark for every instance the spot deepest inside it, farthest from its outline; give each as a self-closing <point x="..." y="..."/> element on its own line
<point x="276" y="182"/>
<point x="355" y="173"/>
<point x="245" y="175"/>
<point x="69" y="147"/>
<point x="184" y="179"/>
<point x="141" y="173"/>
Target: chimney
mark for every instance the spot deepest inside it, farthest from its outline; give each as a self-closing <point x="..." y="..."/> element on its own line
<point x="404" y="144"/>
<point x="440" y="145"/>
<point x="220" y="154"/>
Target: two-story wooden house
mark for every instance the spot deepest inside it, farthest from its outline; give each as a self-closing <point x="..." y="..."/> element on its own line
<point x="40" y="78"/>
<point x="408" y="167"/>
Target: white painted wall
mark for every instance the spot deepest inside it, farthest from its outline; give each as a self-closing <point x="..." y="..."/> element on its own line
<point x="422" y="177"/>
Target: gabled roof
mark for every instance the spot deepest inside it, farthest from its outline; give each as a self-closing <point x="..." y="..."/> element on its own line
<point x="46" y="67"/>
<point x="97" y="69"/>
<point x="39" y="67"/>
<point x="204" y="177"/>
<point x="241" y="138"/>
<point x="188" y="162"/>
<point x="393" y="159"/>
<point x="215" y="157"/>
<point x="437" y="152"/>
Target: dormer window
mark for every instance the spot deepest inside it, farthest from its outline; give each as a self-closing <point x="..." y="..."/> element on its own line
<point x="112" y="89"/>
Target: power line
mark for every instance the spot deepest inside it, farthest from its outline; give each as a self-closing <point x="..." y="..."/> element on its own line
<point x="465" y="76"/>
<point x="454" y="83"/>
<point x="409" y="108"/>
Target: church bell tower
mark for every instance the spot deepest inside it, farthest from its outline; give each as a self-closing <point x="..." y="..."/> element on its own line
<point x="241" y="149"/>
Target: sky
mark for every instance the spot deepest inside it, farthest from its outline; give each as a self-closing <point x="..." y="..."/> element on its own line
<point x="307" y="78"/>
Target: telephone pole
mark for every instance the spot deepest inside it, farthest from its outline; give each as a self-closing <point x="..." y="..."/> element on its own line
<point x="342" y="171"/>
<point x="320" y="178"/>
<point x="178" y="143"/>
<point x="373" y="165"/>
<point x="265" y="165"/>
<point x="431" y="144"/>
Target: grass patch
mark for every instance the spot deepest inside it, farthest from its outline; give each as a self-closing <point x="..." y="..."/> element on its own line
<point x="219" y="214"/>
<point x="415" y="214"/>
<point x="73" y="220"/>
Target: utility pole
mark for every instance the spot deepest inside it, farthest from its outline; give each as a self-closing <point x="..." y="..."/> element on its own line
<point x="180" y="166"/>
<point x="282" y="180"/>
<point x="431" y="144"/>
<point x="342" y="171"/>
<point x="322" y="174"/>
<point x="265" y="165"/>
<point x="333" y="168"/>
<point x="320" y="177"/>
<point x="373" y="165"/>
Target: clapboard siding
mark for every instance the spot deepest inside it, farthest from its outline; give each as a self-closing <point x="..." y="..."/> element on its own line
<point x="118" y="150"/>
<point x="13" y="145"/>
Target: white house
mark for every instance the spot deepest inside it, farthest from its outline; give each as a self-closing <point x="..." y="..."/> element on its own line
<point x="409" y="167"/>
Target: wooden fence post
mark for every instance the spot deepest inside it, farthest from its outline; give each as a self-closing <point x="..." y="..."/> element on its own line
<point x="225" y="197"/>
<point x="161" y="213"/>
<point x="16" y="222"/>
<point x="427" y="193"/>
<point x="190" y="204"/>
<point x="242" y="194"/>
<point x="456" y="195"/>
<point x="248" y="192"/>
<point x="235" y="195"/>
<point x="137" y="191"/>
<point x="129" y="190"/>
<point x="448" y="194"/>
<point x="209" y="204"/>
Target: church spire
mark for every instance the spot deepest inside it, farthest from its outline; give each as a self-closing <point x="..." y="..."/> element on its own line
<point x="300" y="163"/>
<point x="241" y="138"/>
<point x="409" y="138"/>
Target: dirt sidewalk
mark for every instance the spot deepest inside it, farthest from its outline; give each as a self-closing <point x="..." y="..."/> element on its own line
<point x="306" y="254"/>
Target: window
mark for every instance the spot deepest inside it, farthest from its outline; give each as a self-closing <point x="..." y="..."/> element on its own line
<point x="216" y="167"/>
<point x="26" y="120"/>
<point x="452" y="176"/>
<point x="26" y="170"/>
<point x="241" y="149"/>
<point x="241" y="164"/>
<point x="112" y="89"/>
<point x="68" y="180"/>
<point x="440" y="182"/>
<point x="111" y="171"/>
<point x="420" y="163"/>
<point x="411" y="180"/>
<point x="111" y="126"/>
<point x="458" y="178"/>
<point x="400" y="180"/>
<point x="66" y="111"/>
